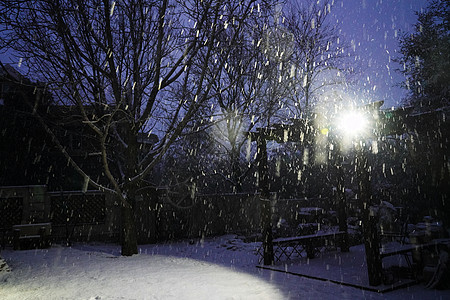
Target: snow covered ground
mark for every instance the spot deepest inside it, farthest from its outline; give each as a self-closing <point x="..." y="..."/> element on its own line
<point x="215" y="268"/>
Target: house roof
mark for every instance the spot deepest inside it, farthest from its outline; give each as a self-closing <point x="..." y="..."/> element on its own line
<point x="6" y="70"/>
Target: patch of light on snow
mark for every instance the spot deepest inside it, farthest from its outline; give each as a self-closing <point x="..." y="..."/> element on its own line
<point x="68" y="273"/>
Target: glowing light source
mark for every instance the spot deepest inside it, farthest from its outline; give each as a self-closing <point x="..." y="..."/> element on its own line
<point x="352" y="123"/>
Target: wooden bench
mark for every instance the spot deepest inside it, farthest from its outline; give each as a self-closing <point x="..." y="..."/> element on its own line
<point x="311" y="244"/>
<point x="31" y="235"/>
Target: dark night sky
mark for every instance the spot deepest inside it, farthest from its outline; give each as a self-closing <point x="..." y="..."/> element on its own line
<point x="372" y="28"/>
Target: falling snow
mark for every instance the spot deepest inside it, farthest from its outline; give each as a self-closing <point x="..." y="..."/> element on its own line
<point x="210" y="138"/>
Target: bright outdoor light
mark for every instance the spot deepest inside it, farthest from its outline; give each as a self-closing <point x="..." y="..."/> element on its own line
<point x="352" y="123"/>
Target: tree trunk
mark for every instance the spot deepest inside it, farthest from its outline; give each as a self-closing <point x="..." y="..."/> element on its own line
<point x="236" y="171"/>
<point x="129" y="232"/>
<point x="129" y="238"/>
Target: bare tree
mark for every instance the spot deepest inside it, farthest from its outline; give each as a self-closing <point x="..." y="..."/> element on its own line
<point x="249" y="93"/>
<point x="131" y="68"/>
<point x="318" y="49"/>
<point x="235" y="103"/>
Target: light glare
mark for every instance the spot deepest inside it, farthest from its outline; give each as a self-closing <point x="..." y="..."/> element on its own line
<point x="352" y="123"/>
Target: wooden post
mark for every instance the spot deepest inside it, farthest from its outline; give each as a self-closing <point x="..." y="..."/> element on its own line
<point x="342" y="206"/>
<point x="266" y="210"/>
<point x="369" y="221"/>
<point x="341" y="202"/>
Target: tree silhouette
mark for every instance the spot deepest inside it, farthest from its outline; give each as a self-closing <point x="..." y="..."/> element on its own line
<point x="130" y="68"/>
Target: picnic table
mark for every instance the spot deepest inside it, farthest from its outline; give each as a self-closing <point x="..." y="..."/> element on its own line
<point x="311" y="244"/>
<point x="407" y="250"/>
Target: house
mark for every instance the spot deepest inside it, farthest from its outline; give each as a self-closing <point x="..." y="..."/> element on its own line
<point x="28" y="154"/>
<point x="23" y="152"/>
<point x="30" y="161"/>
